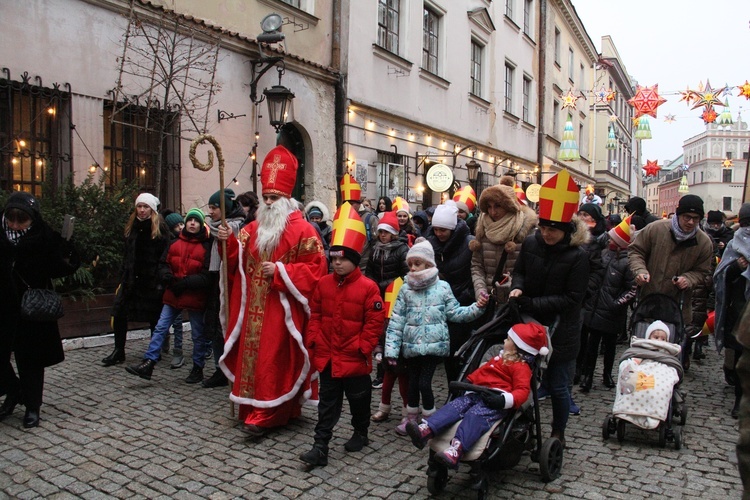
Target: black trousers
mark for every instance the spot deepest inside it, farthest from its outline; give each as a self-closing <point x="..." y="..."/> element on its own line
<point x="609" y="339"/>
<point x="29" y="384"/>
<point x="358" y="391"/>
<point x="120" y="324"/>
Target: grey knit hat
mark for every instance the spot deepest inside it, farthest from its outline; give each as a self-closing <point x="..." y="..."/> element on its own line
<point x="422" y="249"/>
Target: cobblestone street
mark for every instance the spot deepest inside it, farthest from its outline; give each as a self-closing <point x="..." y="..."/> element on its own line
<point x="105" y="433"/>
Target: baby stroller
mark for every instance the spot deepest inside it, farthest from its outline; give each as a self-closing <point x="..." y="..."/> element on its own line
<point x="503" y="445"/>
<point x="653" y="307"/>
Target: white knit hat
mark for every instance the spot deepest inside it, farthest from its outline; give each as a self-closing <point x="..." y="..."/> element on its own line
<point x="445" y="217"/>
<point x="422" y="249"/>
<point x="149" y="199"/>
<point x="657" y="325"/>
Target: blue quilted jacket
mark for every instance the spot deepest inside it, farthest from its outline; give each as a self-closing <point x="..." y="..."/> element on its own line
<point x="418" y="325"/>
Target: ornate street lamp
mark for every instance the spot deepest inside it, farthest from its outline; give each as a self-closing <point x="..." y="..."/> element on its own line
<point x="279" y="104"/>
<point x="473" y="167"/>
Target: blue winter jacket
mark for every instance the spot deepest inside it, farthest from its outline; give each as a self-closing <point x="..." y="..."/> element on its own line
<point x="418" y="325"/>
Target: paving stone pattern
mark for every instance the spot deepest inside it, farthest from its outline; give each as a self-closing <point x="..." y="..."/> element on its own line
<point x="107" y="434"/>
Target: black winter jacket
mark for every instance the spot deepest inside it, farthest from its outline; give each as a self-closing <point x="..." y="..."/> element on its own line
<point x="40" y="255"/>
<point x="453" y="259"/>
<point x="609" y="306"/>
<point x="383" y="269"/>
<point x="556" y="278"/>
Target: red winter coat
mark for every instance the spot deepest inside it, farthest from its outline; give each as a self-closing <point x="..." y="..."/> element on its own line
<point x="346" y="320"/>
<point x="514" y="379"/>
<point x="184" y="271"/>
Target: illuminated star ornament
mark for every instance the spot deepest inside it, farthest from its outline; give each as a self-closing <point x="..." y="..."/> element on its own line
<point x="646" y="100"/>
<point x="652" y="168"/>
<point x="604" y="96"/>
<point x="670" y="119"/>
<point x="612" y="118"/>
<point x="744" y="90"/>
<point x="709" y="115"/>
<point x="569" y="99"/>
<point x="687" y="95"/>
<point x="707" y="97"/>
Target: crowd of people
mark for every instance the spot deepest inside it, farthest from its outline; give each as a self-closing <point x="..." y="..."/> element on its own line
<point x="311" y="306"/>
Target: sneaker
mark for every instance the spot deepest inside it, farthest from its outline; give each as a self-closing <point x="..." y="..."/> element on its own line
<point x="451" y="455"/>
<point x="209" y="352"/>
<point x="419" y="434"/>
<point x="177" y="359"/>
<point x="356" y="442"/>
<point x="196" y="375"/>
<point x="574" y="408"/>
<point x="315" y="457"/>
<point x="218" y="379"/>
<point x="542" y="393"/>
<point x="377" y="383"/>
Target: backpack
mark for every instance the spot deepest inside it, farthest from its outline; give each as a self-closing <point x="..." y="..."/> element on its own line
<point x="372" y="232"/>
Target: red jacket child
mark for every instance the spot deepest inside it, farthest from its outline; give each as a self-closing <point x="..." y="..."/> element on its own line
<point x="184" y="270"/>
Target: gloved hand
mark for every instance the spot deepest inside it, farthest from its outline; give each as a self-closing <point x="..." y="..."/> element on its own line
<point x="391" y="362"/>
<point x="379" y="357"/>
<point x="494" y="400"/>
<point x="524" y="303"/>
<point x="178" y="287"/>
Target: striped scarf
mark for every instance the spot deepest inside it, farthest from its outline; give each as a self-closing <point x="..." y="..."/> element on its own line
<point x="12" y="235"/>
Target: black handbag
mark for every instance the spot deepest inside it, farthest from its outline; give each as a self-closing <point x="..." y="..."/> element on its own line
<point x="40" y="304"/>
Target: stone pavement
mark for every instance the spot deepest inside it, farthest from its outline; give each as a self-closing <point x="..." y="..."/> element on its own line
<point x="105" y="433"/>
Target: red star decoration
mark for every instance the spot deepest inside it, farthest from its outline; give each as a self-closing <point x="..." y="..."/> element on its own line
<point x="745" y="90"/>
<point x="651" y="168"/>
<point x="646" y="100"/>
<point x="709" y="115"/>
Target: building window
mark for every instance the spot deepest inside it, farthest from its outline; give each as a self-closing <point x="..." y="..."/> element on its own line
<point x="388" y="22"/>
<point x="729" y="155"/>
<point x="509" y="75"/>
<point x="526" y="99"/>
<point x="293" y="3"/>
<point x="580" y="143"/>
<point x="571" y="62"/>
<point x="35" y="135"/>
<point x="476" y="68"/>
<point x="727" y="202"/>
<point x="132" y="145"/>
<point x="430" y="40"/>
<point x="726" y="175"/>
<point x="555" y="119"/>
<point x="509" y="8"/>
<point x="528" y="9"/>
<point x="557" y="46"/>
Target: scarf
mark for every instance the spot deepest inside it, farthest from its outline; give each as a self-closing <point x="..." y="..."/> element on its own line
<point x="420" y="280"/>
<point x="213" y="226"/>
<point x="501" y="231"/>
<point x="13" y="235"/>
<point x="679" y="234"/>
<point x="382" y="251"/>
<point x="739" y="246"/>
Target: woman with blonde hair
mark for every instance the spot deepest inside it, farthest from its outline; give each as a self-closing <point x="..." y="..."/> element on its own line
<point x="139" y="295"/>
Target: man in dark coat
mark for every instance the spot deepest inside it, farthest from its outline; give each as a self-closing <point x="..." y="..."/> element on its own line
<point x="450" y="239"/>
<point x="31" y="255"/>
<point x="638" y="205"/>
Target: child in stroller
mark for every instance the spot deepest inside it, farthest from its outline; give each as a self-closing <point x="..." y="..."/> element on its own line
<point x="649" y="371"/>
<point x="507" y="375"/>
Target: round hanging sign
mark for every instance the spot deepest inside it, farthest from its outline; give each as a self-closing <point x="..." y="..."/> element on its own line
<point x="440" y="178"/>
<point x="532" y="192"/>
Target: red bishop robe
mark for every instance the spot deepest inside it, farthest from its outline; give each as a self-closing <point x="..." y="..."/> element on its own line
<point x="264" y="351"/>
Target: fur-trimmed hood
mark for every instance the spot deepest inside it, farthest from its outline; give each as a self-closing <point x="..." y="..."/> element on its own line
<point x="581" y="235"/>
<point x="321" y="206"/>
<point x="502" y="195"/>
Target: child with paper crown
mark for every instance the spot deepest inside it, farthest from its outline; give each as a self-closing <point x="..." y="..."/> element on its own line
<point x="608" y="310"/>
<point x="346" y="319"/>
<point x="508" y="375"/>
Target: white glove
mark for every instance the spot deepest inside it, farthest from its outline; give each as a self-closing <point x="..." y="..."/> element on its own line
<point x="379" y="357"/>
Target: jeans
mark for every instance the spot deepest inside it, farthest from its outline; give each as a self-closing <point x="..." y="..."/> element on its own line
<point x="168" y="314"/>
<point x="177" y="328"/>
<point x="557" y="378"/>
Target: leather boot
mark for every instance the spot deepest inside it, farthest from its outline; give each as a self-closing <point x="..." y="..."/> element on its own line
<point x="117" y="357"/>
<point x="11" y="400"/>
<point x="609" y="383"/>
<point x="143" y="370"/>
<point x="31" y="418"/>
<point x="585" y="383"/>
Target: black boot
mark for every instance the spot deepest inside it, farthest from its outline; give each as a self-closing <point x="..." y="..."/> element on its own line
<point x="736" y="410"/>
<point x="117" y="357"/>
<point x="11" y="400"/>
<point x="356" y="442"/>
<point x="698" y="351"/>
<point x="143" y="370"/>
<point x="585" y="383"/>
<point x="218" y="379"/>
<point x="195" y="376"/>
<point x="316" y="456"/>
<point x="31" y="418"/>
<point x="609" y="383"/>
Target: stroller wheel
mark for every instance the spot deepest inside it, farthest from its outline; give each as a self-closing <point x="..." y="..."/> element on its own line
<point x="677" y="432"/>
<point x="607" y="427"/>
<point x="437" y="479"/>
<point x="621" y="430"/>
<point x="662" y="435"/>
<point x="551" y="459"/>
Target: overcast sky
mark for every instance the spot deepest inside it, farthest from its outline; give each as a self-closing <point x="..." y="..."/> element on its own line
<point x="676" y="43"/>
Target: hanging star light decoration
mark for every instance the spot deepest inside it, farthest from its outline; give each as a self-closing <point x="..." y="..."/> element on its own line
<point x="670" y="119"/>
<point x="652" y="168"/>
<point x="569" y="99"/>
<point x="687" y="95"/>
<point x="612" y="118"/>
<point x="601" y="95"/>
<point x="744" y="90"/>
<point x="727" y="90"/>
<point x="707" y="97"/>
<point x="709" y="115"/>
<point x="646" y="100"/>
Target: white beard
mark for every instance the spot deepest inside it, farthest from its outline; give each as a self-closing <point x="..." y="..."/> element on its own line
<point x="272" y="220"/>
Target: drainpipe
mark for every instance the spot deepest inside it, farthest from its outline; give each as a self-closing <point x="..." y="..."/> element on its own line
<point x="339" y="91"/>
<point x="542" y="88"/>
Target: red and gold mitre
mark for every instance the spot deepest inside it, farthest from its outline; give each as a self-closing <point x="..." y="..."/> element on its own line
<point x="558" y="198"/>
<point x="279" y="172"/>
<point x="466" y="195"/>
<point x="400" y="204"/>
<point x="350" y="189"/>
<point x="520" y="195"/>
<point x="389" y="297"/>
<point x="348" y="229"/>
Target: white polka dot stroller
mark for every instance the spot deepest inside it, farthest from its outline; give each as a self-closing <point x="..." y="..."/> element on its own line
<point x="647" y="393"/>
